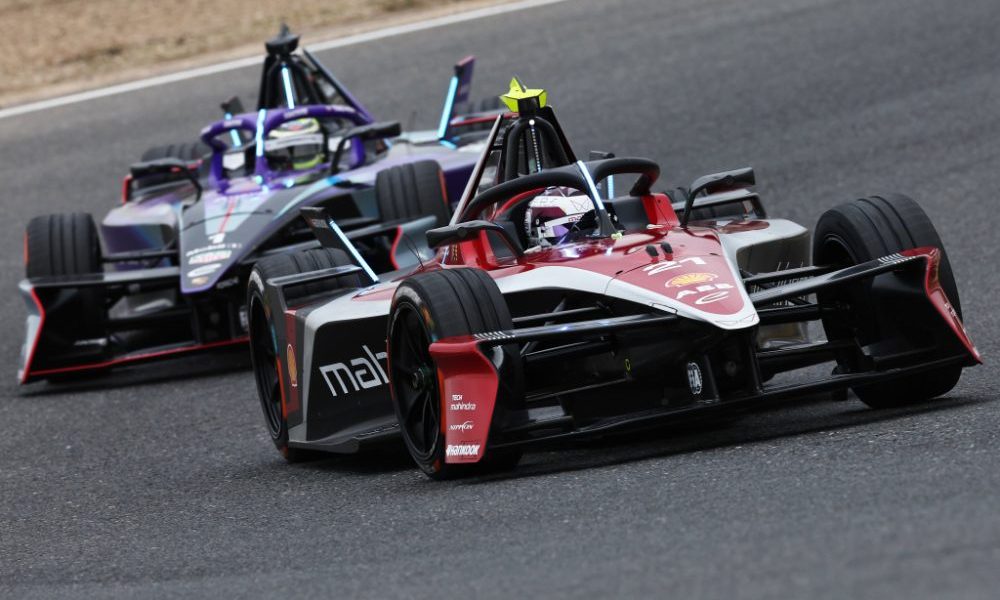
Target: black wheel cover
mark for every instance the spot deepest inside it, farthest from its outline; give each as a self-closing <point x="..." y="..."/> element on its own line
<point x="418" y="397"/>
<point x="265" y="355"/>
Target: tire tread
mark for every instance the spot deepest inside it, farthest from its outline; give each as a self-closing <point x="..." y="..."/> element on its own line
<point x="412" y="190"/>
<point x="878" y="226"/>
<point x="464" y="301"/>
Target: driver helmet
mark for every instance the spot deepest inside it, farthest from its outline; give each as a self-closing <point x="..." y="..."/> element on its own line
<point x="554" y="215"/>
<point x="295" y="145"/>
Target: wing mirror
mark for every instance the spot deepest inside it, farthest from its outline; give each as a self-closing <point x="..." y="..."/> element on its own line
<point x="364" y="133"/>
<point x="169" y="167"/>
<point x="717" y="182"/>
<point x="460" y="232"/>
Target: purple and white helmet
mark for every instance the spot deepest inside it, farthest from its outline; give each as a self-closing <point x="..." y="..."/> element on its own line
<point x="553" y="216"/>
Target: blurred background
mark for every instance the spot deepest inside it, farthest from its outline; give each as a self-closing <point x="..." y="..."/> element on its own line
<point x="51" y="47"/>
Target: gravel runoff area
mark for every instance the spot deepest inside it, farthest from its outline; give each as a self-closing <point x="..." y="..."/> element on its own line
<point x="53" y="47"/>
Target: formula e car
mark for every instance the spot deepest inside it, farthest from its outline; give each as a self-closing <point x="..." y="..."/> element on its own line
<point x="189" y="228"/>
<point x="555" y="308"/>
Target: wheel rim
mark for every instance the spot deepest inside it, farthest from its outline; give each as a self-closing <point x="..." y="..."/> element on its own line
<point x="835" y="248"/>
<point x="415" y="383"/>
<point x="264" y="348"/>
<point x="837" y="251"/>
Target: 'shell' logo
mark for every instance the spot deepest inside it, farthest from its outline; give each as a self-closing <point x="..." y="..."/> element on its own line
<point x="669" y="265"/>
<point x="694" y="378"/>
<point x="293" y="376"/>
<point x="691" y="279"/>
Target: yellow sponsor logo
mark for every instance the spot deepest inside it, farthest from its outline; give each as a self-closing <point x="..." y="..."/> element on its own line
<point x="292" y="368"/>
<point x="691" y="279"/>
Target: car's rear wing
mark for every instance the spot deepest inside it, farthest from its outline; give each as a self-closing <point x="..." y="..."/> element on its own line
<point x="459" y="88"/>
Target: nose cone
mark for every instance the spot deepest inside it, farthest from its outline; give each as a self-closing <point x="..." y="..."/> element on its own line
<point x="217" y="232"/>
<point x="695" y="280"/>
<point x="701" y="282"/>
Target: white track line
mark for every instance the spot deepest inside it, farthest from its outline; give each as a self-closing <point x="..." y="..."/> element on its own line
<point x="350" y="40"/>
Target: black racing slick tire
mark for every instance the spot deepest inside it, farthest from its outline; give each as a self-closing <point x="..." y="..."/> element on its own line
<point x="864" y="230"/>
<point x="411" y="191"/>
<point x="432" y="306"/>
<point x="65" y="244"/>
<point x="68" y="245"/>
<point x="189" y="151"/>
<point x="266" y="357"/>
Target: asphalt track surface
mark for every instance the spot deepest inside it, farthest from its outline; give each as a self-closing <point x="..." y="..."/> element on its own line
<point x="161" y="481"/>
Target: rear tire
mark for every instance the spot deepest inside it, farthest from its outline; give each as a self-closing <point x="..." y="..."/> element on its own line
<point x="264" y="354"/>
<point x="413" y="190"/>
<point x="432" y="306"/>
<point x="866" y="229"/>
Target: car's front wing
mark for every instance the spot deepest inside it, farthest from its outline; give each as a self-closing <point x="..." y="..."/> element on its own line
<point x="67" y="332"/>
<point x="470" y="379"/>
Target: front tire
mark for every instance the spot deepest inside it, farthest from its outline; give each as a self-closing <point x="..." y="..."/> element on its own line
<point x="67" y="245"/>
<point x="266" y="357"/>
<point x="864" y="230"/>
<point x="429" y="307"/>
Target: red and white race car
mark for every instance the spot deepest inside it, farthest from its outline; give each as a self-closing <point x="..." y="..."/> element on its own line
<point x="551" y="307"/>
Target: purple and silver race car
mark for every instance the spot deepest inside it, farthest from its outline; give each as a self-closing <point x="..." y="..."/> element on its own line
<point x="165" y="272"/>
